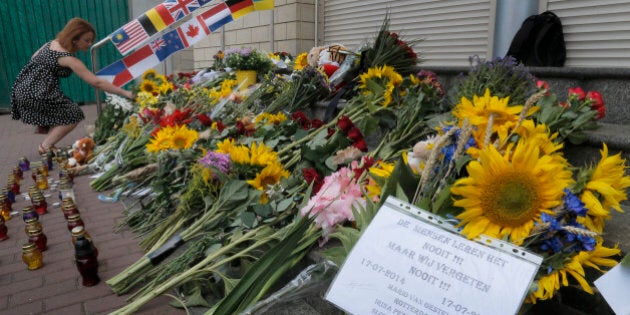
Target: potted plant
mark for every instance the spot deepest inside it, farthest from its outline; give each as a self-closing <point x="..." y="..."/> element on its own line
<point x="247" y="63"/>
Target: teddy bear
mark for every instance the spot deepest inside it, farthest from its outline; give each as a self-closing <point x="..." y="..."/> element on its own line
<point x="82" y="150"/>
<point x="328" y="58"/>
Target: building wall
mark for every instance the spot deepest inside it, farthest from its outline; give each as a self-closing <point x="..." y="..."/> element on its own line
<point x="290" y="27"/>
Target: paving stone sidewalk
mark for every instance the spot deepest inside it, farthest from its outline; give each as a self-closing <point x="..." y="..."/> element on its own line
<point x="56" y="287"/>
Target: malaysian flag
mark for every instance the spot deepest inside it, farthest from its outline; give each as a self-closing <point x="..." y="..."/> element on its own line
<point x="129" y="36"/>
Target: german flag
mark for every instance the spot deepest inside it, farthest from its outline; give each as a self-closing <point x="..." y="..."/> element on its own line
<point x="156" y="19"/>
<point x="238" y="8"/>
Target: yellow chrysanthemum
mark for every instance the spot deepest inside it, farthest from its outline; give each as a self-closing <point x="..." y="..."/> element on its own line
<point x="605" y="189"/>
<point x="161" y="141"/>
<point x="269" y="176"/>
<point x="505" y="194"/>
<point x="183" y="138"/>
<point x="549" y="284"/>
<point x="132" y="127"/>
<point x="381" y="170"/>
<point x="479" y="110"/>
<point x="149" y="74"/>
<point x="262" y="155"/>
<point x="380" y="81"/>
<point x="301" y="61"/>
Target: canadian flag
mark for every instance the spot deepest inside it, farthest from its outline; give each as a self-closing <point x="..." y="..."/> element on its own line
<point x="192" y="31"/>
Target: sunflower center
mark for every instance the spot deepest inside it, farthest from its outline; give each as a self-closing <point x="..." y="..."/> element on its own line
<point x="512" y="199"/>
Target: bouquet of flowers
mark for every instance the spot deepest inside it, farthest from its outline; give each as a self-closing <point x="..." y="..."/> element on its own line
<point x="247" y="59"/>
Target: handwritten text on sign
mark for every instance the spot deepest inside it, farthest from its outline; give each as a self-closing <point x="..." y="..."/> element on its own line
<point x="403" y="265"/>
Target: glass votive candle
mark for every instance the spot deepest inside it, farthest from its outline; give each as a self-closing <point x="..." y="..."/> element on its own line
<point x="24" y="164"/>
<point x="32" y="256"/>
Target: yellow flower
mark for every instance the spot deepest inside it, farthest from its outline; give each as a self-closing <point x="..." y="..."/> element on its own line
<point x="148" y="86"/>
<point x="479" y="110"/>
<point x="132" y="127"/>
<point x="149" y="74"/>
<point x="161" y="141"/>
<point x="549" y="284"/>
<point x="225" y="146"/>
<point x="270" y="119"/>
<point x="183" y="138"/>
<point x="165" y="88"/>
<point x="382" y="170"/>
<point x="146" y="99"/>
<point x="301" y="61"/>
<point x="240" y="155"/>
<point x="262" y="155"/>
<point x="269" y="176"/>
<point x="505" y="194"/>
<point x="605" y="189"/>
<point x="216" y="94"/>
<point x="372" y="80"/>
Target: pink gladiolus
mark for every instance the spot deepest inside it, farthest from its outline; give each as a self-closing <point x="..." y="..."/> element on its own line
<point x="333" y="203"/>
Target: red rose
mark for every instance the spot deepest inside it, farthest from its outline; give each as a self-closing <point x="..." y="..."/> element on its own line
<point x="344" y="123"/>
<point x="596" y="99"/>
<point x="543" y="85"/>
<point x="361" y="145"/>
<point x="354" y="134"/>
<point x="316" y="123"/>
<point x="204" y="119"/>
<point x="331" y="132"/>
<point x="564" y="104"/>
<point x="220" y="126"/>
<point x="601" y="112"/>
<point x="577" y="91"/>
<point x="311" y="176"/>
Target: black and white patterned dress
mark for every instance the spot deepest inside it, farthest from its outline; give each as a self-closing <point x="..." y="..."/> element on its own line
<point x="36" y="96"/>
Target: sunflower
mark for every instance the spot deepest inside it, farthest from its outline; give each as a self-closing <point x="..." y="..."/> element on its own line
<point x="605" y="189"/>
<point x="149" y="87"/>
<point x="146" y="99"/>
<point x="381" y="171"/>
<point x="549" y="284"/>
<point x="267" y="177"/>
<point x="480" y="109"/>
<point x="380" y="81"/>
<point x="301" y="61"/>
<point x="183" y="138"/>
<point x="262" y="155"/>
<point x="149" y="74"/>
<point x="506" y="193"/>
<point x="161" y="141"/>
<point x="225" y="146"/>
<point x="240" y="155"/>
<point x="270" y="119"/>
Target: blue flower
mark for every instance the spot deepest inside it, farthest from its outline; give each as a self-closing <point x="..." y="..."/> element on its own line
<point x="573" y="203"/>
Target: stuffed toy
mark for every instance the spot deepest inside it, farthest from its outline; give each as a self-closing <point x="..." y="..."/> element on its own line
<point x="82" y="150"/>
<point x="327" y="58"/>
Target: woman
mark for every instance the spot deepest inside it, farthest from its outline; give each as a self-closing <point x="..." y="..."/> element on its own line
<point x="36" y="96"/>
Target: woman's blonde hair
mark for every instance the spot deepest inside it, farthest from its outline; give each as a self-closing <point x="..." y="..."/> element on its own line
<point x="73" y="30"/>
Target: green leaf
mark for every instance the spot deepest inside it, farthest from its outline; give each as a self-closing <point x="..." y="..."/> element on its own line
<point x="626" y="261"/>
<point x="248" y="219"/>
<point x="263" y="210"/>
<point x="284" y="205"/>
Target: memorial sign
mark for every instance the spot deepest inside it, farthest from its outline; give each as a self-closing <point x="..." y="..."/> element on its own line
<point x="409" y="261"/>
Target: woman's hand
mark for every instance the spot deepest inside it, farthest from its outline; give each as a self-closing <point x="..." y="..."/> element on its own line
<point x="129" y="95"/>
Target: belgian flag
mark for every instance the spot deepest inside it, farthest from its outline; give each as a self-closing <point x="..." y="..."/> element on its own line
<point x="156" y="19"/>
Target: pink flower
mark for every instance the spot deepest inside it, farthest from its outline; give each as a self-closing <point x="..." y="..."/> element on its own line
<point x="578" y="92"/>
<point x="542" y="84"/>
<point x="333" y="203"/>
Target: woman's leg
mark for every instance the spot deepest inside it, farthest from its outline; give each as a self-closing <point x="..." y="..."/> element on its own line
<point x="57" y="133"/>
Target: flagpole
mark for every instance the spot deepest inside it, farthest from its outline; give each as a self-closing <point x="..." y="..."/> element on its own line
<point x="95" y="69"/>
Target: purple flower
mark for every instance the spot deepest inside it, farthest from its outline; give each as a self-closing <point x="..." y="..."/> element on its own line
<point x="219" y="161"/>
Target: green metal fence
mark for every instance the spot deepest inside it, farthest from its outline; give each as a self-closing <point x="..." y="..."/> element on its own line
<point x="28" y="24"/>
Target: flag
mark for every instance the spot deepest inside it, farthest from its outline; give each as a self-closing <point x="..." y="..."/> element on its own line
<point x="240" y="7"/>
<point x="156" y="19"/>
<point x="116" y="73"/>
<point x="141" y="60"/>
<point x="263" y="5"/>
<point x="216" y="17"/>
<point x="192" y="31"/>
<point x="179" y="9"/>
<point x="167" y="45"/>
<point x="129" y="37"/>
